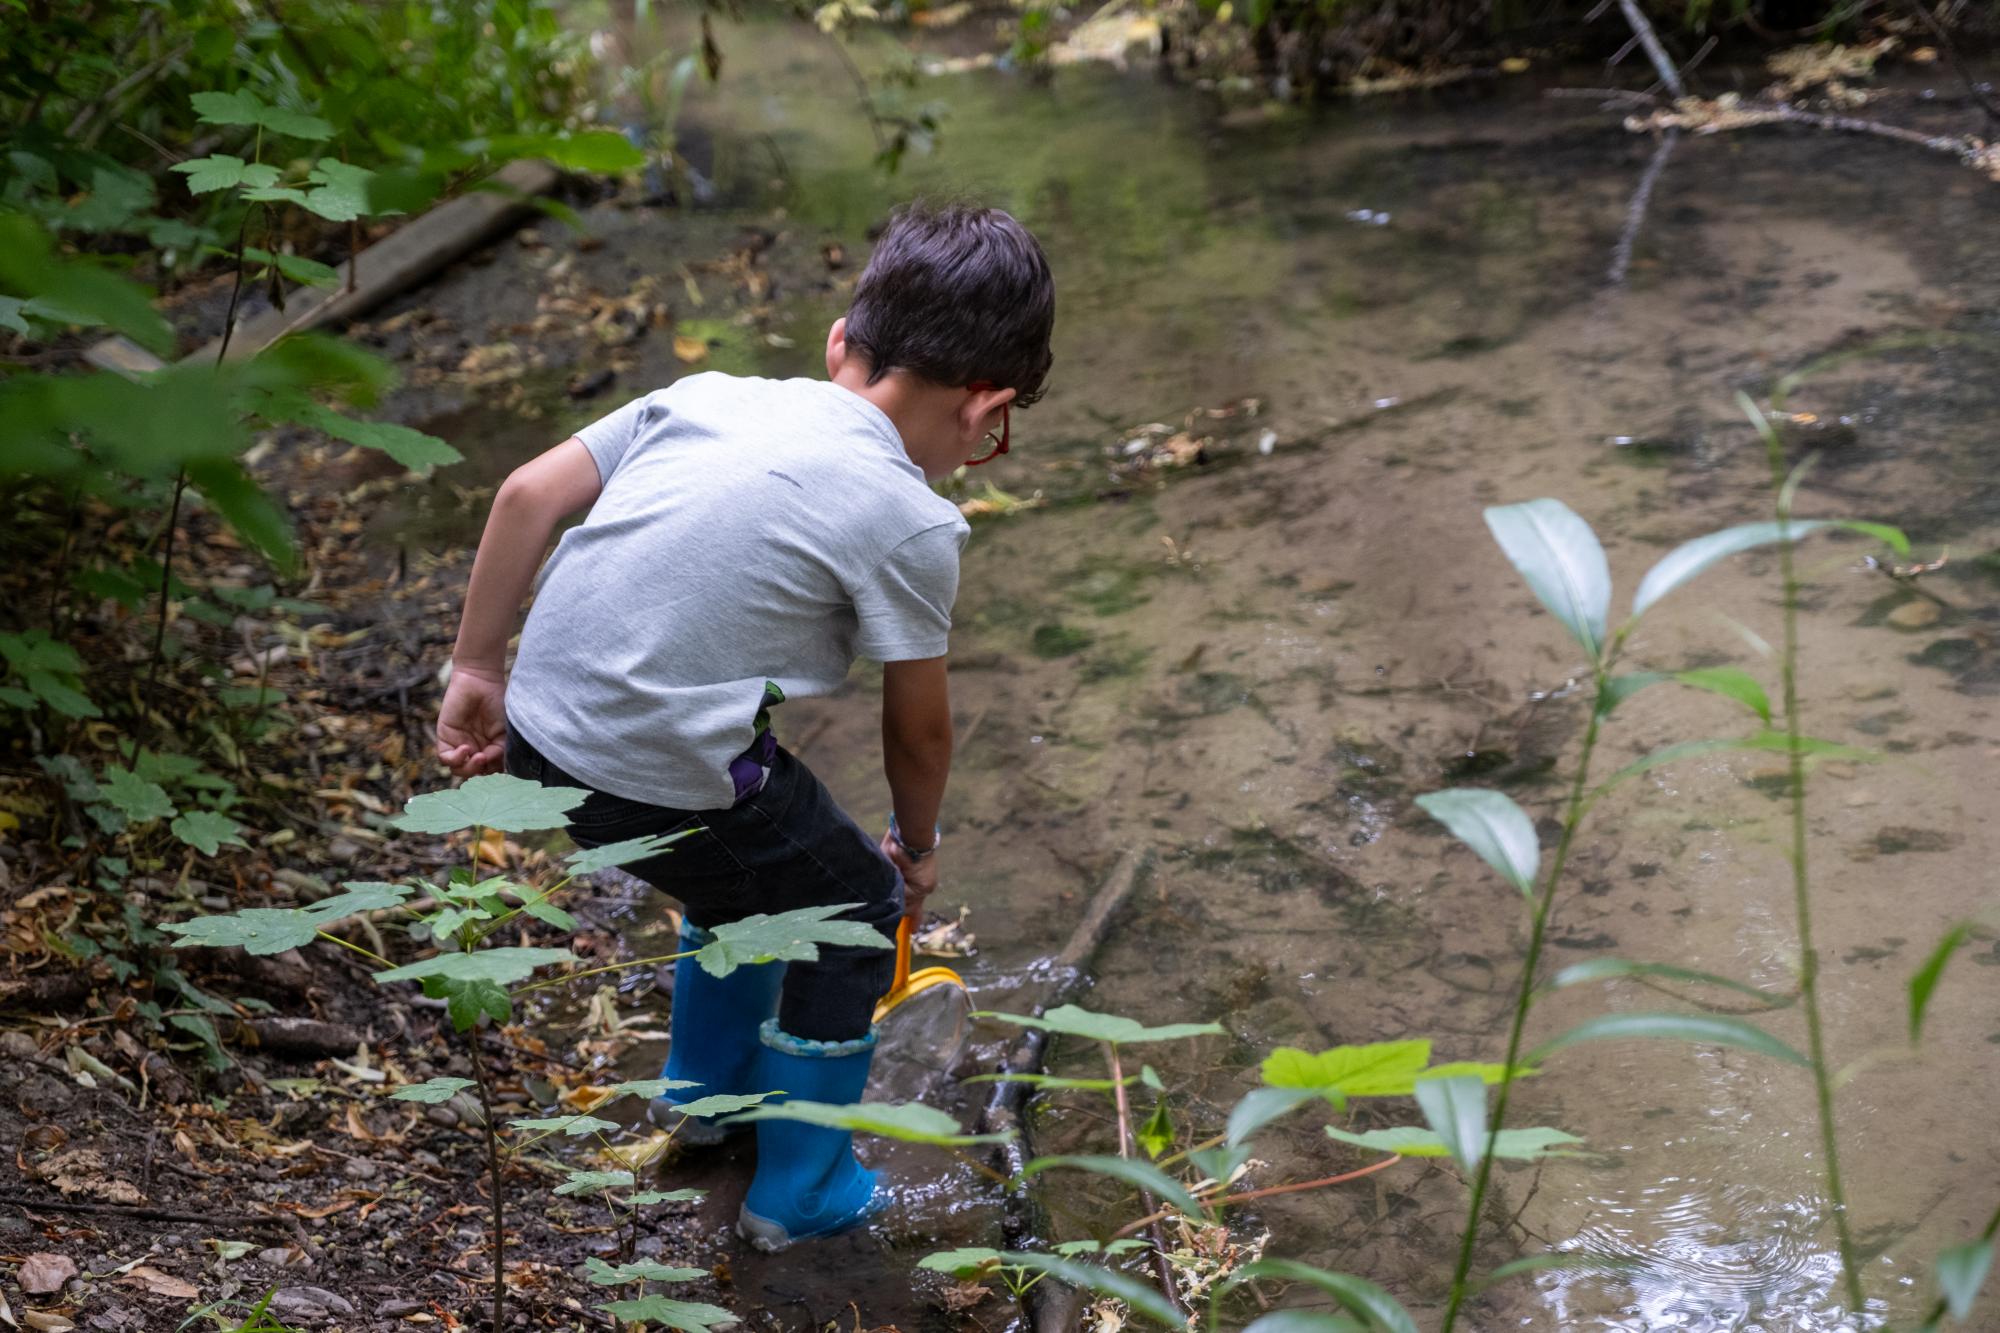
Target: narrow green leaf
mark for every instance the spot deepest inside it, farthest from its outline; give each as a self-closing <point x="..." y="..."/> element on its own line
<point x="1925" y="982"/>
<point x="1156" y="1135"/>
<point x="497" y="800"/>
<point x="1961" y="1271"/>
<point x="1731" y="683"/>
<point x="1689" y="559"/>
<point x="908" y="1122"/>
<point x="1303" y="1321"/>
<point x="1260" y="1106"/>
<point x="548" y="913"/>
<point x="1494" y="827"/>
<point x="1559" y="556"/>
<point x="1456" y="1109"/>
<point x="646" y="1198"/>
<point x="1141" y="1175"/>
<point x="1609" y="969"/>
<point x="413" y="449"/>
<point x="434" y="1092"/>
<point x="1145" y="1300"/>
<point x="1378" y="1308"/>
<point x="1073" y="1021"/>
<point x="1767" y="741"/>
<point x="1529" y="1144"/>
<point x="1702" y="1029"/>
<point x="1573" y="1261"/>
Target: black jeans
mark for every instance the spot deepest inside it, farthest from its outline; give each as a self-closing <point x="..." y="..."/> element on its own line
<point x="784" y="847"/>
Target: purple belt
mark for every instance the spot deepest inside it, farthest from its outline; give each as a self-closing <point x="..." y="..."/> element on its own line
<point x="752" y="769"/>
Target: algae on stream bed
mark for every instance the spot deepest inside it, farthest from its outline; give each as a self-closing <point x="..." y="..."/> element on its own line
<point x="1330" y="630"/>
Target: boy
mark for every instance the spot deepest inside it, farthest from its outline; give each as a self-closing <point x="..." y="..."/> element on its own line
<point x="746" y="540"/>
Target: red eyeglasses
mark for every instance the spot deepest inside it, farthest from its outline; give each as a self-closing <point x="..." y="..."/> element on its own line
<point x="1006" y="435"/>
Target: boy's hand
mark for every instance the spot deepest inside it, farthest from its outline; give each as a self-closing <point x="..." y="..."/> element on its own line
<point x="920" y="878"/>
<point x="472" y="722"/>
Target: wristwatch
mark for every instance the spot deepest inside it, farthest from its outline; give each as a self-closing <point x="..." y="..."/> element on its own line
<point x="916" y="853"/>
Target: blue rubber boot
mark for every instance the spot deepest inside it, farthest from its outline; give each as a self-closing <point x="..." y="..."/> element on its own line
<point x="713" y="1031"/>
<point x="808" y="1183"/>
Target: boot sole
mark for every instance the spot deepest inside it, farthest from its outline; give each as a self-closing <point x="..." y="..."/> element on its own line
<point x="771" y="1237"/>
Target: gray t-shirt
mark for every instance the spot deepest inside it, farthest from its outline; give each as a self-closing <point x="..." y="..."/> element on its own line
<point x="749" y="531"/>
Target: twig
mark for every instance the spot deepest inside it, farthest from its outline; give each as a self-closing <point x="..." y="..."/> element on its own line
<point x="1635" y="215"/>
<point x="1642" y="28"/>
<point x="492" y="1134"/>
<point x="1146" y="1200"/>
<point x="1972" y="89"/>
<point x="1295" y="1188"/>
<point x="146" y="1214"/>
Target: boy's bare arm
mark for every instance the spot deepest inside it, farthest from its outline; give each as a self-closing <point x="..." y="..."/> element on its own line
<point x="916" y="758"/>
<point x="472" y="722"/>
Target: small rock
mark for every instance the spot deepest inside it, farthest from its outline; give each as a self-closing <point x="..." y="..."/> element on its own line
<point x="588" y="384"/>
<point x="345" y="850"/>
<point x="362" y="1169"/>
<point x="19" y="1045"/>
<point x="441" y="1115"/>
<point x="1915" y="615"/>
<point x="46" y="1274"/>
<point x="396" y="1309"/>
<point x="310" y="1302"/>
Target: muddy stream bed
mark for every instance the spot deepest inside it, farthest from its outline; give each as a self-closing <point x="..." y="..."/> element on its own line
<point x="1249" y="666"/>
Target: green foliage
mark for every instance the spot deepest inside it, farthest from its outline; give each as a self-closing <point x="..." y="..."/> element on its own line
<point x="1455" y="1109"/>
<point x="1608" y="969"/>
<point x="1377" y="1308"/>
<point x="1925" y="982"/>
<point x="606" y="1275"/>
<point x="594" y="1182"/>
<point x="1702" y="1029"/>
<point x="784" y="937"/>
<point x="255" y="930"/>
<point x="907" y="1122"/>
<point x="1072" y="1021"/>
<point x="1961" y="1271"/>
<point x="436" y="1091"/>
<point x="1140" y="1175"/>
<point x="1560" y="558"/>
<point x="590" y="860"/>
<point x="1729" y="682"/>
<point x="692" y="1316"/>
<point x="1494" y="827"/>
<point x="497" y="801"/>
<point x="50" y="673"/>
<point x="501" y="966"/>
<point x="573" y="1126"/>
<point x="1519" y="1145"/>
<point x="1143" y="1299"/>
<point x="207" y="831"/>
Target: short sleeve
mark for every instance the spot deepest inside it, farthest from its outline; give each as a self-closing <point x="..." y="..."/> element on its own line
<point x="904" y="603"/>
<point x="609" y="438"/>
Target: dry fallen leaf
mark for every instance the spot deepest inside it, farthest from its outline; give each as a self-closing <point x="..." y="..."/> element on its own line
<point x="46" y="1322"/>
<point x="84" y="1171"/>
<point x="161" y="1284"/>
<point x="46" y="1274"/>
<point x="691" y="350"/>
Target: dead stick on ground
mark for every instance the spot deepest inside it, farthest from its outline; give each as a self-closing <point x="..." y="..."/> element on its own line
<point x="1642" y="28"/>
<point x="1635" y="216"/>
<point x="1161" y="1267"/>
<point x="28" y="1204"/>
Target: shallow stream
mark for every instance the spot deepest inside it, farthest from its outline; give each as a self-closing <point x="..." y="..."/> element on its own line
<point x="1249" y="665"/>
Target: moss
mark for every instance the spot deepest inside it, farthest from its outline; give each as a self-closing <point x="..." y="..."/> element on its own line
<point x="1056" y="640"/>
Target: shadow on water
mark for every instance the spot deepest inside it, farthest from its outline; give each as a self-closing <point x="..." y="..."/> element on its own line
<point x="1250" y="666"/>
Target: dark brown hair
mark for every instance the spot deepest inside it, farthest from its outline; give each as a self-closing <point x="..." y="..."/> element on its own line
<point x="956" y="294"/>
